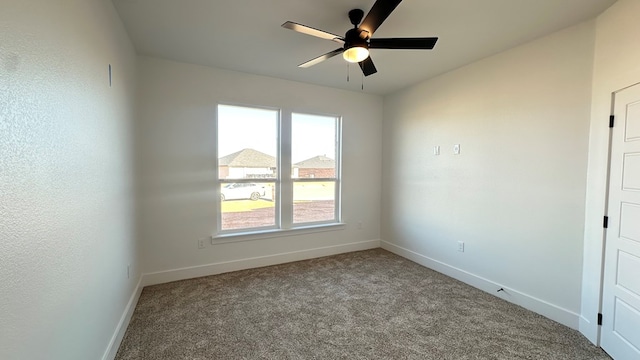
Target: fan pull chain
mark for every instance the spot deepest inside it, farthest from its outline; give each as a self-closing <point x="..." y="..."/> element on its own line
<point x="347" y="72"/>
<point x="362" y="86"/>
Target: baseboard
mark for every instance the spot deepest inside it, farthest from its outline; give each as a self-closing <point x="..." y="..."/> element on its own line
<point x="162" y="277"/>
<point x="544" y="308"/>
<point x="118" y="335"/>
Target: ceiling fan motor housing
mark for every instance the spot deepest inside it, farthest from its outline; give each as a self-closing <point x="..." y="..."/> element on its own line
<point x="352" y="39"/>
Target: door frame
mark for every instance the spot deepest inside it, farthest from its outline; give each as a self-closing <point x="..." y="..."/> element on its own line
<point x="616" y="121"/>
<point x="596" y="202"/>
<point x="605" y="212"/>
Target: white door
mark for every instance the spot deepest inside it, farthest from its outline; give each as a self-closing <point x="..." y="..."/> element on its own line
<point x="621" y="296"/>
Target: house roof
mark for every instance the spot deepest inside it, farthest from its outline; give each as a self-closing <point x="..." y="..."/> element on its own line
<point x="317" y="162"/>
<point x="248" y="158"/>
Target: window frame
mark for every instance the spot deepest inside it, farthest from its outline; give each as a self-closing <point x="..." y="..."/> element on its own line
<point x="283" y="182"/>
<point x="337" y="179"/>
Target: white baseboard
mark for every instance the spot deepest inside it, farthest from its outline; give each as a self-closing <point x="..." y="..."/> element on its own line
<point x="551" y="311"/>
<point x="162" y="277"/>
<point x="123" y="324"/>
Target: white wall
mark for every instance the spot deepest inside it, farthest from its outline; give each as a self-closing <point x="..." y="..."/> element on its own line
<point x="66" y="201"/>
<point x="175" y="145"/>
<point x="617" y="65"/>
<point x="515" y="195"/>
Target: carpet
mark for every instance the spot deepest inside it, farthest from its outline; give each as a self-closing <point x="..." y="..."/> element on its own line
<point x="363" y="305"/>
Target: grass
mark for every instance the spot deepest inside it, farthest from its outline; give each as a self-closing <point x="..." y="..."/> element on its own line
<point x="245" y="205"/>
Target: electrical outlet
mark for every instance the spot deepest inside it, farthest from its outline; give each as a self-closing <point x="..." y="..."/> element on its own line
<point x="201" y="243"/>
<point x="461" y="246"/>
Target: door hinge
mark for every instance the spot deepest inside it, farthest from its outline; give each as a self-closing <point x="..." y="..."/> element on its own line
<point x="599" y="319"/>
<point x="612" y="120"/>
<point x="605" y="222"/>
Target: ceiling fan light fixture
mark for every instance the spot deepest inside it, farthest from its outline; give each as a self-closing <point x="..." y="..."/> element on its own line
<point x="357" y="41"/>
<point x="356" y="54"/>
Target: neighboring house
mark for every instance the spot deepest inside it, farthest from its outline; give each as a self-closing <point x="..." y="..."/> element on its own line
<point x="247" y="163"/>
<point x="317" y="167"/>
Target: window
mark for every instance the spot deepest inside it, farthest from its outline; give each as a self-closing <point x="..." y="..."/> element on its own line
<point x="247" y="167"/>
<point x="313" y="151"/>
<point x="276" y="169"/>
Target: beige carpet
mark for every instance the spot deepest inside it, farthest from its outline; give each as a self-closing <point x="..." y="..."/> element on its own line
<point x="364" y="305"/>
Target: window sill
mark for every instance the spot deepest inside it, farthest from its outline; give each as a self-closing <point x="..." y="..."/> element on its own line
<point x="274" y="233"/>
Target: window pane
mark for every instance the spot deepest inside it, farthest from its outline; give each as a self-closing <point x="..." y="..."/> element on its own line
<point x="247" y="205"/>
<point x="247" y="149"/>
<point x="314" y="201"/>
<point x="247" y="143"/>
<point x="313" y="146"/>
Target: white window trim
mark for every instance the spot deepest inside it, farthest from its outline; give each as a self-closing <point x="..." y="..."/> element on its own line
<point x="283" y="181"/>
<point x="258" y="234"/>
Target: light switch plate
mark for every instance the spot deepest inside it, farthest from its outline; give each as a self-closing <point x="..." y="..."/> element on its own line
<point x="436" y="150"/>
<point x="456" y="149"/>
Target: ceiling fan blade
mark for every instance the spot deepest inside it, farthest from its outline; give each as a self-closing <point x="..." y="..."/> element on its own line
<point x="427" y="43"/>
<point x="377" y="15"/>
<point x="367" y="66"/>
<point x="313" y="32"/>
<point x="322" y="58"/>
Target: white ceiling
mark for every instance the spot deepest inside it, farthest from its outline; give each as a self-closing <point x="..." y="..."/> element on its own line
<point x="245" y="35"/>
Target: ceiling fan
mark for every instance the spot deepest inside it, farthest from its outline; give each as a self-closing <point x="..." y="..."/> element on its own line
<point x="357" y="41"/>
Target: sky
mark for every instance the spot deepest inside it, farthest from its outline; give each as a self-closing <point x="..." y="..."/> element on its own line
<point x="254" y="128"/>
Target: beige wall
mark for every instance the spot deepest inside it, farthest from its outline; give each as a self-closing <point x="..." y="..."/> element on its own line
<point x="66" y="184"/>
<point x="515" y="194"/>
